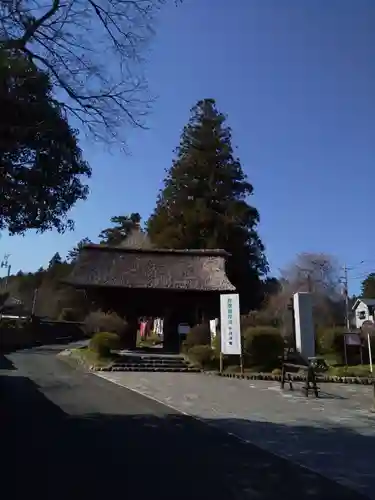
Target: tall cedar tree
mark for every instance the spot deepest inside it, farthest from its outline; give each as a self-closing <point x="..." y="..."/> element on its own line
<point x="204" y="202"/>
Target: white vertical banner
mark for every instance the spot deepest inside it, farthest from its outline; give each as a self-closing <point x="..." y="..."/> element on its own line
<point x="230" y="324"/>
<point x="213" y="327"/>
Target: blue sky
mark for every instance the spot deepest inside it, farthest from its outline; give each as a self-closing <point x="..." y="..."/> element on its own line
<point x="297" y="81"/>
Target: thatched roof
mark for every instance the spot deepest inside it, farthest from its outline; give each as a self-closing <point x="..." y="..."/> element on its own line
<point x="200" y="270"/>
<point x="137" y="239"/>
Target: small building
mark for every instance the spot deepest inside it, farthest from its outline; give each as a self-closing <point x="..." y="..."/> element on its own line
<point x="13" y="308"/>
<point x="363" y="310"/>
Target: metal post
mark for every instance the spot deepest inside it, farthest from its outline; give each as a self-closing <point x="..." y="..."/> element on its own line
<point x="370" y="353"/>
<point x="346" y="291"/>
<point x="7" y="277"/>
<point x="345" y="351"/>
<point x="241" y="363"/>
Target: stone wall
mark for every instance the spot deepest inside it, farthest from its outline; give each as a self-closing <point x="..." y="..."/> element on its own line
<point x="18" y="334"/>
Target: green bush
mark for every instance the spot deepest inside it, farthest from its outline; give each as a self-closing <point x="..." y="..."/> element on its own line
<point x="216" y="344"/>
<point x="9" y="323"/>
<point x="349" y="371"/>
<point x="263" y="346"/>
<point x="198" y="335"/>
<point x="152" y="339"/>
<point x="100" y="321"/>
<point x="103" y="343"/>
<point x="258" y="318"/>
<point x="203" y="355"/>
<point x="69" y="314"/>
<point x="330" y="341"/>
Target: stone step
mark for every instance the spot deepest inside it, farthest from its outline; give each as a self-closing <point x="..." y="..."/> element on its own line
<point x="173" y="364"/>
<point x="165" y="359"/>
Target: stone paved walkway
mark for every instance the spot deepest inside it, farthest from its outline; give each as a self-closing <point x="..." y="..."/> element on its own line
<point x="333" y="435"/>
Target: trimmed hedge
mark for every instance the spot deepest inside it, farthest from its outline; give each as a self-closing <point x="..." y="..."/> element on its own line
<point x="203" y="355"/>
<point x="198" y="335"/>
<point x="330" y="341"/>
<point x="70" y="314"/>
<point x="103" y="343"/>
<point x="100" y="321"/>
<point x="263" y="346"/>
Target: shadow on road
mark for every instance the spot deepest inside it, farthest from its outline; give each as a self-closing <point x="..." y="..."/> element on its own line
<point x="6" y="363"/>
<point x="49" y="453"/>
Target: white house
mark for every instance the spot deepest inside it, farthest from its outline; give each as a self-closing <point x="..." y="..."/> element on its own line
<point x="363" y="310"/>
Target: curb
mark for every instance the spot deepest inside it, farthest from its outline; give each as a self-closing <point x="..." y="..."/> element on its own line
<point x="147" y="369"/>
<point x="299" y="378"/>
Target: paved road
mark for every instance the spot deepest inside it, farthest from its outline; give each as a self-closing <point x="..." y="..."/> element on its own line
<point x="68" y="434"/>
<point x="314" y="433"/>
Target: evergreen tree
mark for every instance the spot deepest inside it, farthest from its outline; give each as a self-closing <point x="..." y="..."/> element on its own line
<point x="41" y="166"/>
<point x="204" y="202"/>
<point x="122" y="226"/>
<point x="73" y="254"/>
<point x="368" y="287"/>
<point x="56" y="259"/>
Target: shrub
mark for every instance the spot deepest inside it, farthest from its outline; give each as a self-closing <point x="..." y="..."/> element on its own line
<point x="99" y="321"/>
<point x="201" y="354"/>
<point x="263" y="346"/>
<point x="152" y="339"/>
<point x="216" y="344"/>
<point x="69" y="314"/>
<point x="258" y="318"/>
<point x="199" y="335"/>
<point x="350" y="371"/>
<point x="104" y="342"/>
<point x="330" y="340"/>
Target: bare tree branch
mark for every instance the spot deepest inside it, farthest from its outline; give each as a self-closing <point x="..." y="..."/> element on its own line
<point x="91" y="50"/>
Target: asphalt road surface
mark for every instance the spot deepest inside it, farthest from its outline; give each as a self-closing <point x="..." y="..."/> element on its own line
<point x="66" y="434"/>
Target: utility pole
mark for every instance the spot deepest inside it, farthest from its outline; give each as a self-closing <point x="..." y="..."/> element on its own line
<point x="346" y="292"/>
<point x="6" y="264"/>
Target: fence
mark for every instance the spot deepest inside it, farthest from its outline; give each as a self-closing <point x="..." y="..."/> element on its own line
<point x="18" y="334"/>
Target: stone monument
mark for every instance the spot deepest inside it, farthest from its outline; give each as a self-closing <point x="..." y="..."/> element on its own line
<point x="304" y="324"/>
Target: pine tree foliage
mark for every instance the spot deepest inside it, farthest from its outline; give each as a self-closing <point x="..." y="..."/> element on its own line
<point x="122" y="225"/>
<point x="204" y="202"/>
<point x="74" y="252"/>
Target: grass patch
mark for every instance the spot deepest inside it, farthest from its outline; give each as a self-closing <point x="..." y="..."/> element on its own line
<point x="349" y="371"/>
<point x="149" y="341"/>
<point x="87" y="358"/>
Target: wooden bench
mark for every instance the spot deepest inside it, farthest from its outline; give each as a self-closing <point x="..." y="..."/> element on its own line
<point x="292" y="362"/>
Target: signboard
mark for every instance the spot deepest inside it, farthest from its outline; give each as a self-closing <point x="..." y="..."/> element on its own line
<point x="183" y="329"/>
<point x="230" y="324"/>
<point x="304" y="324"/>
<point x="353" y="339"/>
